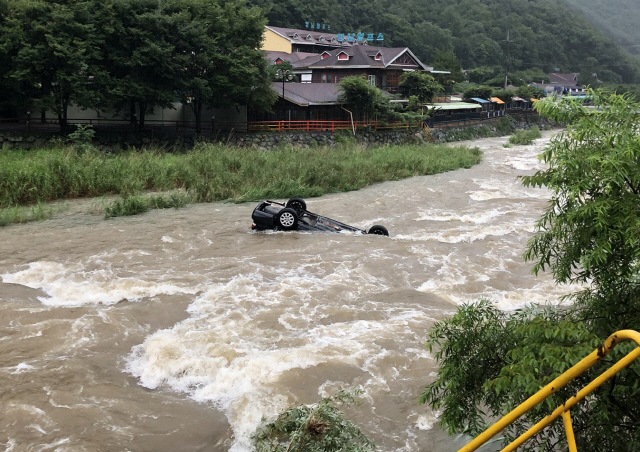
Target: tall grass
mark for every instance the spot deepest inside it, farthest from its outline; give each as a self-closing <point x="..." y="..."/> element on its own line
<point x="216" y="172"/>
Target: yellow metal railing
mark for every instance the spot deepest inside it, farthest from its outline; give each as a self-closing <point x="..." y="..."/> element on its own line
<point x="556" y="384"/>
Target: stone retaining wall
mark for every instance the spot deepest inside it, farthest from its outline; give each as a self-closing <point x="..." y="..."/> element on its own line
<point x="272" y="140"/>
<point x="111" y="141"/>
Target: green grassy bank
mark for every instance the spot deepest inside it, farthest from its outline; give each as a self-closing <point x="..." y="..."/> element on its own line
<point x="213" y="173"/>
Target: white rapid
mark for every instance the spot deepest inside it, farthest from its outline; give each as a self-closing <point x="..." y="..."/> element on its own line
<point x="182" y="329"/>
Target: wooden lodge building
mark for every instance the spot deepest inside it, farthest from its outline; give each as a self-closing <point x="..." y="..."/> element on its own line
<point x="320" y="60"/>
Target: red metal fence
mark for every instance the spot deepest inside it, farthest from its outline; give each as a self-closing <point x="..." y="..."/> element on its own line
<point x="318" y="126"/>
<point x="252" y="126"/>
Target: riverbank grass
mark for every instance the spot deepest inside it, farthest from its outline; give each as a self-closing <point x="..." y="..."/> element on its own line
<point x="213" y="172"/>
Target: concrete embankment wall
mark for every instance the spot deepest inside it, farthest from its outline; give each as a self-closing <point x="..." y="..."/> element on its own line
<point x="116" y="141"/>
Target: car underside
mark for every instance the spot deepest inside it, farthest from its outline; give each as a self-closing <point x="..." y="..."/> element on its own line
<point x="293" y="215"/>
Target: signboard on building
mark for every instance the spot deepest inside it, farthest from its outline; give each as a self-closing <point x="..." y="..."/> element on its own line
<point x="345" y="37"/>
<point x="360" y="37"/>
<point x="313" y="25"/>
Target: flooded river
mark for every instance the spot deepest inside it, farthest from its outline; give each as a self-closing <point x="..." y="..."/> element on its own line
<point x="178" y="330"/>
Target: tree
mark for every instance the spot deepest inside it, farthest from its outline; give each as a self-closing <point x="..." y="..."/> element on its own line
<point x="481" y="91"/>
<point x="524" y="77"/>
<point x="56" y="60"/>
<point x="139" y="56"/>
<point x="530" y="91"/>
<point x="590" y="233"/>
<point x="482" y="74"/>
<point x="421" y="85"/>
<point x="321" y="427"/>
<point x="359" y="94"/>
<point x="490" y="361"/>
<point x="446" y="60"/>
<point x="217" y="45"/>
<point x="504" y="95"/>
<point x="7" y="98"/>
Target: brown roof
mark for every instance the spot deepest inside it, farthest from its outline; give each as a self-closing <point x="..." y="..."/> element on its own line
<point x="571" y="78"/>
<point x="292" y="58"/>
<point x="306" y="94"/>
<point x="363" y="57"/>
<point x="297" y="36"/>
<point x="566" y="80"/>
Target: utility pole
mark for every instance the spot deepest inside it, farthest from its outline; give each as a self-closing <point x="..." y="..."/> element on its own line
<point x="506" y="64"/>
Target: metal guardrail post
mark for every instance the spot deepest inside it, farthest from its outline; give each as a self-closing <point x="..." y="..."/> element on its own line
<point x="555" y="385"/>
<point x="568" y="427"/>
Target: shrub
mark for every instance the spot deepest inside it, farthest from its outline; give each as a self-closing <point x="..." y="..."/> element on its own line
<point x="81" y="138"/>
<point x="525" y="136"/>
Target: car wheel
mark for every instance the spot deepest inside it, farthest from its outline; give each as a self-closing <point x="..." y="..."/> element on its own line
<point x="287" y="219"/>
<point x="378" y="230"/>
<point x="297" y="204"/>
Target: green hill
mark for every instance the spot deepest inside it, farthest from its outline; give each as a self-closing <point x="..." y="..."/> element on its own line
<point x="617" y="18"/>
<point x="545" y="35"/>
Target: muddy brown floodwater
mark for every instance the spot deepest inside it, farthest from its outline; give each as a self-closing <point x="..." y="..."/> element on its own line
<point x="178" y="330"/>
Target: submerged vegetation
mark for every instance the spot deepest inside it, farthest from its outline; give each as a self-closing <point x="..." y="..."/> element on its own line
<point x="212" y="172"/>
<point x="22" y="214"/>
<point x="321" y="427"/>
<point x="525" y="136"/>
<point x="135" y="204"/>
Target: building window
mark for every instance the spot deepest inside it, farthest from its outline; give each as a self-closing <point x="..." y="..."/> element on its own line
<point x="393" y="79"/>
<point x="372" y="80"/>
<point x="328" y="78"/>
<point x="305" y="78"/>
<point x="323" y="78"/>
<point x="343" y="56"/>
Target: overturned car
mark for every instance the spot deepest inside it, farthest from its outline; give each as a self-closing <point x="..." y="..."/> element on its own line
<point x="294" y="216"/>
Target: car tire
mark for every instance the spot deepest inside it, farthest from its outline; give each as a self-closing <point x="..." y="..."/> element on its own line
<point x="287" y="219"/>
<point x="297" y="204"/>
<point x="378" y="230"/>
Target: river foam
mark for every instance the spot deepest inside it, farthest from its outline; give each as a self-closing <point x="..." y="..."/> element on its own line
<point x="233" y="351"/>
<point x="70" y="285"/>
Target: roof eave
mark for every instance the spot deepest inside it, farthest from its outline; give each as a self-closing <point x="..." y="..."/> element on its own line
<point x="407" y="50"/>
<point x="344" y="67"/>
<point x="278" y="33"/>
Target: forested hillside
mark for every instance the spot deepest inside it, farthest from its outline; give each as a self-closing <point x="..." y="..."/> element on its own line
<point x="545" y="35"/>
<point x="617" y="18"/>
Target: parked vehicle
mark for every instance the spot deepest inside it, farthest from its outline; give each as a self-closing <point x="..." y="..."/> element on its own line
<point x="293" y="215"/>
